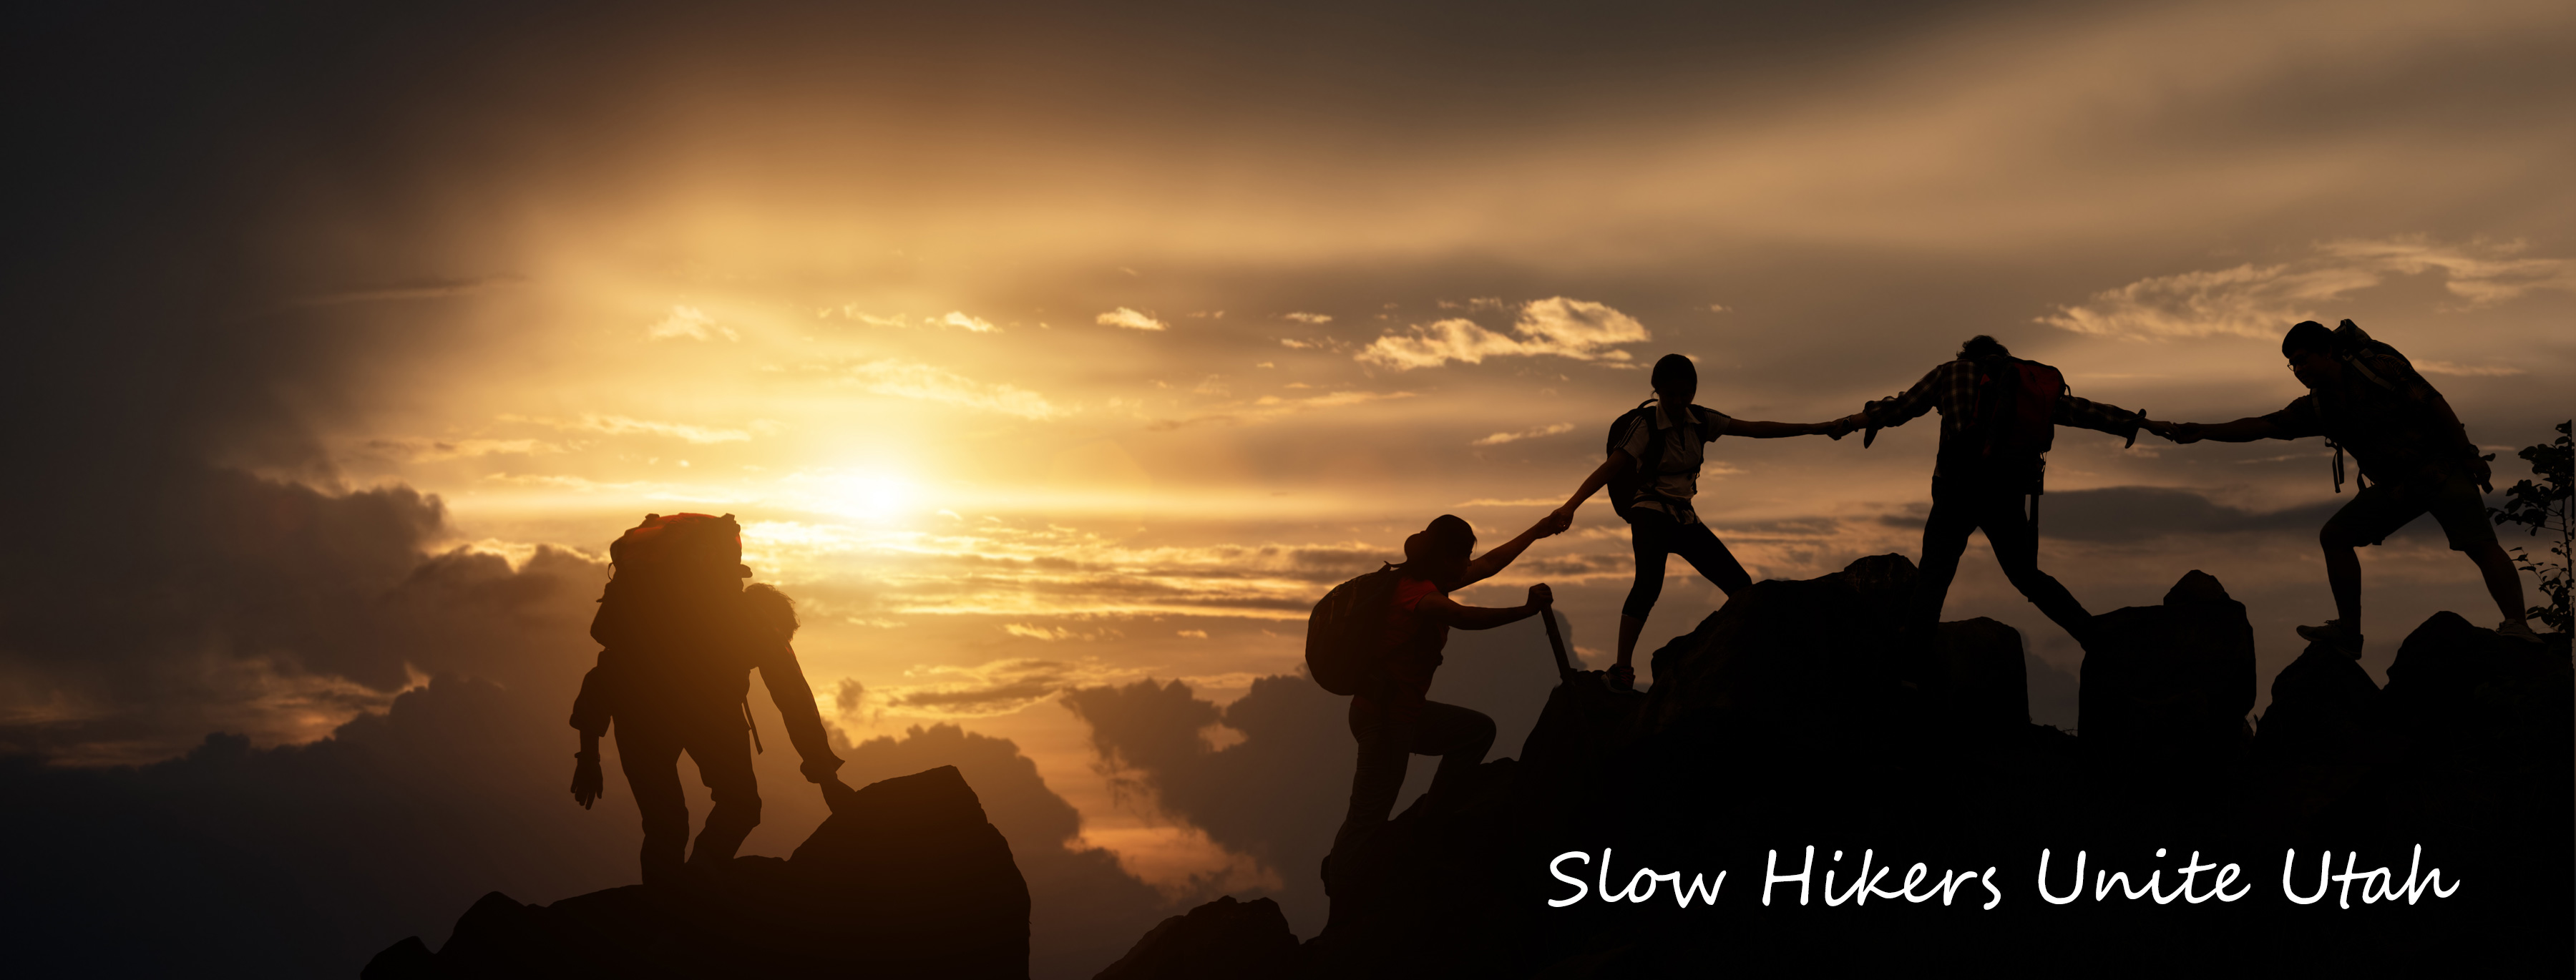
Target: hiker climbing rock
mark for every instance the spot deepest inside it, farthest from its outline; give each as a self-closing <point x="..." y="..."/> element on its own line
<point x="2366" y="398"/>
<point x="1379" y="638"/>
<point x="1655" y="453"/>
<point x="1999" y="416"/>
<point x="681" y="634"/>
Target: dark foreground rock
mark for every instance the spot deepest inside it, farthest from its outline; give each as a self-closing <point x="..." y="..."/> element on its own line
<point x="1792" y="719"/>
<point x="1223" y="938"/>
<point x="906" y="879"/>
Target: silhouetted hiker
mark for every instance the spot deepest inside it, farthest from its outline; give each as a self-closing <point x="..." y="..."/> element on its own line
<point x="1655" y="454"/>
<point x="2366" y="397"/>
<point x="681" y="634"/>
<point x="1999" y="416"/>
<point x="1392" y="716"/>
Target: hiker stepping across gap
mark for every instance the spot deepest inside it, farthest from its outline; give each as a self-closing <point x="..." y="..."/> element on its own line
<point x="1378" y="638"/>
<point x="682" y="635"/>
<point x="2365" y="397"/>
<point x="1655" y="454"/>
<point x="1999" y="416"/>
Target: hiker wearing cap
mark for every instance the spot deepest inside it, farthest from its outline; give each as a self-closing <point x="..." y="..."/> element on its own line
<point x="681" y="635"/>
<point x="1655" y="453"/>
<point x="2365" y="397"/>
<point x="1999" y="416"/>
<point x="1391" y="715"/>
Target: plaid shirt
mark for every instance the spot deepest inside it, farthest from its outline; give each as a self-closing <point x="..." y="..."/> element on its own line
<point x="1952" y="388"/>
<point x="2399" y="432"/>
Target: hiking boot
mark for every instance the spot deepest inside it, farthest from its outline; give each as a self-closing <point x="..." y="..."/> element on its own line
<point x="2335" y="634"/>
<point x="1620" y="677"/>
<point x="2515" y="629"/>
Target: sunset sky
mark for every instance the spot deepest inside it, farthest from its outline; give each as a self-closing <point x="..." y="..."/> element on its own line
<point x="1042" y="347"/>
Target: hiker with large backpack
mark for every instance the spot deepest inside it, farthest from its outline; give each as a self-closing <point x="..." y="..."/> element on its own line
<point x="681" y="636"/>
<point x="1379" y="637"/>
<point x="2365" y="397"/>
<point x="1655" y="452"/>
<point x="1999" y="416"/>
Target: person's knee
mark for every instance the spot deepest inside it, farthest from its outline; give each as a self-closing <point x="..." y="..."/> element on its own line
<point x="2335" y="537"/>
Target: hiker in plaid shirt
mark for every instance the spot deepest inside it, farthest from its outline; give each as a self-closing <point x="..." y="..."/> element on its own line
<point x="1974" y="489"/>
<point x="2366" y="398"/>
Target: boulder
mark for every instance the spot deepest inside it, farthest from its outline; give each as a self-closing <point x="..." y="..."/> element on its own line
<point x="2171" y="682"/>
<point x="906" y="879"/>
<point x="2321" y="709"/>
<point x="1223" y="938"/>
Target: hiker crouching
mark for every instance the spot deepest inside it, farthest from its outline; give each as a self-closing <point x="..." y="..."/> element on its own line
<point x="1391" y="715"/>
<point x="1998" y="419"/>
<point x="681" y="635"/>
<point x="2365" y="397"/>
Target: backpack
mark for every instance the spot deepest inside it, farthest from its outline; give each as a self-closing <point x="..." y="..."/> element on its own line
<point x="2016" y="414"/>
<point x="1346" y="635"/>
<point x="2350" y="345"/>
<point x="1627" y="485"/>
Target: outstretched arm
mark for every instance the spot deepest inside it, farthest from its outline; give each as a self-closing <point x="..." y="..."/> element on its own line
<point x="786" y="682"/>
<point x="1485" y="565"/>
<point x="1449" y="612"/>
<point x="2241" y="430"/>
<point x="1778" y="430"/>
<point x="1619" y="460"/>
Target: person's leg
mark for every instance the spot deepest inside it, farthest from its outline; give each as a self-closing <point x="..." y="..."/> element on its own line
<point x="722" y="750"/>
<point x="2016" y="546"/>
<point x="1459" y="736"/>
<point x="2504" y="582"/>
<point x="1945" y="538"/>
<point x="2376" y="511"/>
<point x="1650" y="536"/>
<point x="1380" y="773"/>
<point x="651" y="760"/>
<point x="1700" y="546"/>
<point x="2463" y="516"/>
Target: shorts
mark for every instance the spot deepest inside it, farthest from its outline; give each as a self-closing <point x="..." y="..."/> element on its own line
<point x="2381" y="508"/>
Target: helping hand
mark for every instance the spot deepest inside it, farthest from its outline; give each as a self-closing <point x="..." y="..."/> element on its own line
<point x="587" y="784"/>
<point x="2178" y="433"/>
<point x="1556" y="522"/>
<point x="1540" y="597"/>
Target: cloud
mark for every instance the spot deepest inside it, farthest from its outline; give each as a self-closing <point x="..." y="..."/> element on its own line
<point x="620" y="425"/>
<point x="1570" y="328"/>
<point x="999" y="687"/>
<point x="1307" y="317"/>
<point x="424" y="450"/>
<point x="922" y="382"/>
<point x="690" y="322"/>
<point x="2261" y="301"/>
<point x="957" y="319"/>
<point x="1130" y="319"/>
<point x="1500" y="438"/>
<point x="2466" y="370"/>
<point x="1268" y="407"/>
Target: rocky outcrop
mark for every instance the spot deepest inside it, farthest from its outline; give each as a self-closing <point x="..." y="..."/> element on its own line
<point x="905" y="879"/>
<point x="1793" y="718"/>
<point x="2171" y="682"/>
<point x="1223" y="938"/>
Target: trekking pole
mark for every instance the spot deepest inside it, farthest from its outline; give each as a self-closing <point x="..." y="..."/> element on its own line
<point x="1556" y="642"/>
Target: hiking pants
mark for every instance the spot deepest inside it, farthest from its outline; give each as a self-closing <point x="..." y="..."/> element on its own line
<point x="1389" y="735"/>
<point x="649" y="751"/>
<point x="1655" y="534"/>
<point x="1964" y="506"/>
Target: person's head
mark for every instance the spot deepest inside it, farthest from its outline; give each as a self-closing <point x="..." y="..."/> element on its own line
<point x="2309" y="347"/>
<point x="1439" y="552"/>
<point x="1982" y="346"/>
<point x="1676" y="380"/>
